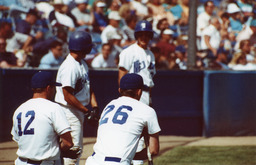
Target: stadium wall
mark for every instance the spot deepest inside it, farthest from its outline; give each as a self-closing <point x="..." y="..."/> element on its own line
<point x="188" y="103"/>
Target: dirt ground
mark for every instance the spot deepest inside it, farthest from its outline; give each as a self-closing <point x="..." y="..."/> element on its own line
<point x="8" y="149"/>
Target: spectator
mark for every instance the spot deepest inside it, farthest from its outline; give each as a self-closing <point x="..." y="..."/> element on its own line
<point x="165" y="44"/>
<point x="245" y="7"/>
<point x="203" y="19"/>
<point x="6" y="30"/>
<point x="181" y="59"/>
<point x="249" y="32"/>
<point x="128" y="29"/>
<point x="61" y="16"/>
<point x="245" y="47"/>
<point x="43" y="47"/>
<point x="181" y="12"/>
<point x="161" y="26"/>
<point x="211" y="40"/>
<point x="161" y="62"/>
<point x="7" y="59"/>
<point x="239" y="62"/>
<point x="101" y="21"/>
<point x="235" y="17"/>
<point x="158" y="12"/>
<point x="221" y="62"/>
<point x="113" y="26"/>
<point x="140" y="8"/>
<point x="83" y="18"/>
<point x="104" y="59"/>
<point x="54" y="58"/>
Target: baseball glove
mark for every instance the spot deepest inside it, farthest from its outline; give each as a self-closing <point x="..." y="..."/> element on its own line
<point x="72" y="153"/>
<point x="93" y="117"/>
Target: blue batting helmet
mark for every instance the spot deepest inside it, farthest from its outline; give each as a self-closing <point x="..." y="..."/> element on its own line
<point x="80" y="41"/>
<point x="143" y="26"/>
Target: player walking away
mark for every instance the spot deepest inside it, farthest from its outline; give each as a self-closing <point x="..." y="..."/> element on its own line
<point x="75" y="92"/>
<point x="38" y="123"/>
<point x="121" y="126"/>
<point x="138" y="59"/>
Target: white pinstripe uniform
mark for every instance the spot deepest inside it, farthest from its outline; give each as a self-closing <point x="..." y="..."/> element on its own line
<point x="120" y="127"/>
<point x="37" y="123"/>
<point x="74" y="74"/>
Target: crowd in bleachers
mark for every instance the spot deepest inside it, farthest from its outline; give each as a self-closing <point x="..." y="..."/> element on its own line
<point x="34" y="33"/>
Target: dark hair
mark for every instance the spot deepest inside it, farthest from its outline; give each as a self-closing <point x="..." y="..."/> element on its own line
<point x="4" y="24"/>
<point x="131" y="18"/>
<point x="107" y="44"/>
<point x="224" y="15"/>
<point x="242" y="43"/>
<point x="160" y="22"/>
<point x="55" y="43"/>
<point x="129" y="92"/>
<point x="38" y="90"/>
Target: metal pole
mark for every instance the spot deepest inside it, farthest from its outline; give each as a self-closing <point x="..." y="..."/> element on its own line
<point x="192" y="34"/>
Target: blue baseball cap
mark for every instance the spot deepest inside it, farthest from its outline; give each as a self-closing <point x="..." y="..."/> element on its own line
<point x="131" y="81"/>
<point x="42" y="79"/>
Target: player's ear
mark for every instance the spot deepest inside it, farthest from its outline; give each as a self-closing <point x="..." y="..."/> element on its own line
<point x="139" y="92"/>
<point x="119" y="90"/>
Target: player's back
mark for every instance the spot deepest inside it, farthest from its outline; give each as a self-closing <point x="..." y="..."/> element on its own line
<point x="120" y="127"/>
<point x="35" y="130"/>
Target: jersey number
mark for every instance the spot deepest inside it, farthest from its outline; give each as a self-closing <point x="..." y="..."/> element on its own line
<point x="120" y="116"/>
<point x="26" y="130"/>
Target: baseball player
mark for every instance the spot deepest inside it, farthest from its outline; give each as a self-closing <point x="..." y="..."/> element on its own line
<point x="75" y="92"/>
<point x="121" y="125"/>
<point x="38" y="123"/>
<point x="138" y="59"/>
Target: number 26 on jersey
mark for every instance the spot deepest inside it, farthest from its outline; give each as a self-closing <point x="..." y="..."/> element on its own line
<point x="120" y="117"/>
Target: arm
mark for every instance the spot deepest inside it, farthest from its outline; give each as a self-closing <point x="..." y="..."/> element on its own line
<point x="66" y="141"/>
<point x="72" y="100"/>
<point x="93" y="100"/>
<point x="153" y="148"/>
<point x="121" y="73"/>
<point x="207" y="42"/>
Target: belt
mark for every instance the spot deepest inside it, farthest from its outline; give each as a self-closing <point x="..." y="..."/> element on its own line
<point x="107" y="158"/>
<point x="30" y="161"/>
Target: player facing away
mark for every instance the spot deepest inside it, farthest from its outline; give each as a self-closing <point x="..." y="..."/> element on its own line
<point x="75" y="92"/>
<point x="38" y="123"/>
<point x="138" y="59"/>
<point x="121" y="124"/>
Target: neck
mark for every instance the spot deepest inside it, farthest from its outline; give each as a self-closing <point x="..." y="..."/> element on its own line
<point x="42" y="95"/>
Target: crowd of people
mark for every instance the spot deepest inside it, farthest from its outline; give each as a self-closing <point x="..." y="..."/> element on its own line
<point x="34" y="33"/>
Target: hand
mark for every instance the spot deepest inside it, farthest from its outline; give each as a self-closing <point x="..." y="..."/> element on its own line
<point x="72" y="153"/>
<point x="93" y="117"/>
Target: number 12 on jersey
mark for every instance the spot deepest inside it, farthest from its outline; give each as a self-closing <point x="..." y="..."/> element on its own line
<point x="26" y="130"/>
<point x="119" y="117"/>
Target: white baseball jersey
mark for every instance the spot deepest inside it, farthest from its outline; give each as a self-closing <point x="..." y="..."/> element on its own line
<point x="120" y="127"/>
<point x="140" y="61"/>
<point x="36" y="126"/>
<point x="73" y="74"/>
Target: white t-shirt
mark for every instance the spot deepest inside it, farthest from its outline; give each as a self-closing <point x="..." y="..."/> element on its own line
<point x="121" y="125"/>
<point x="215" y="37"/>
<point x="73" y="74"/>
<point x="36" y="126"/>
<point x="100" y="62"/>
<point x="80" y="16"/>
